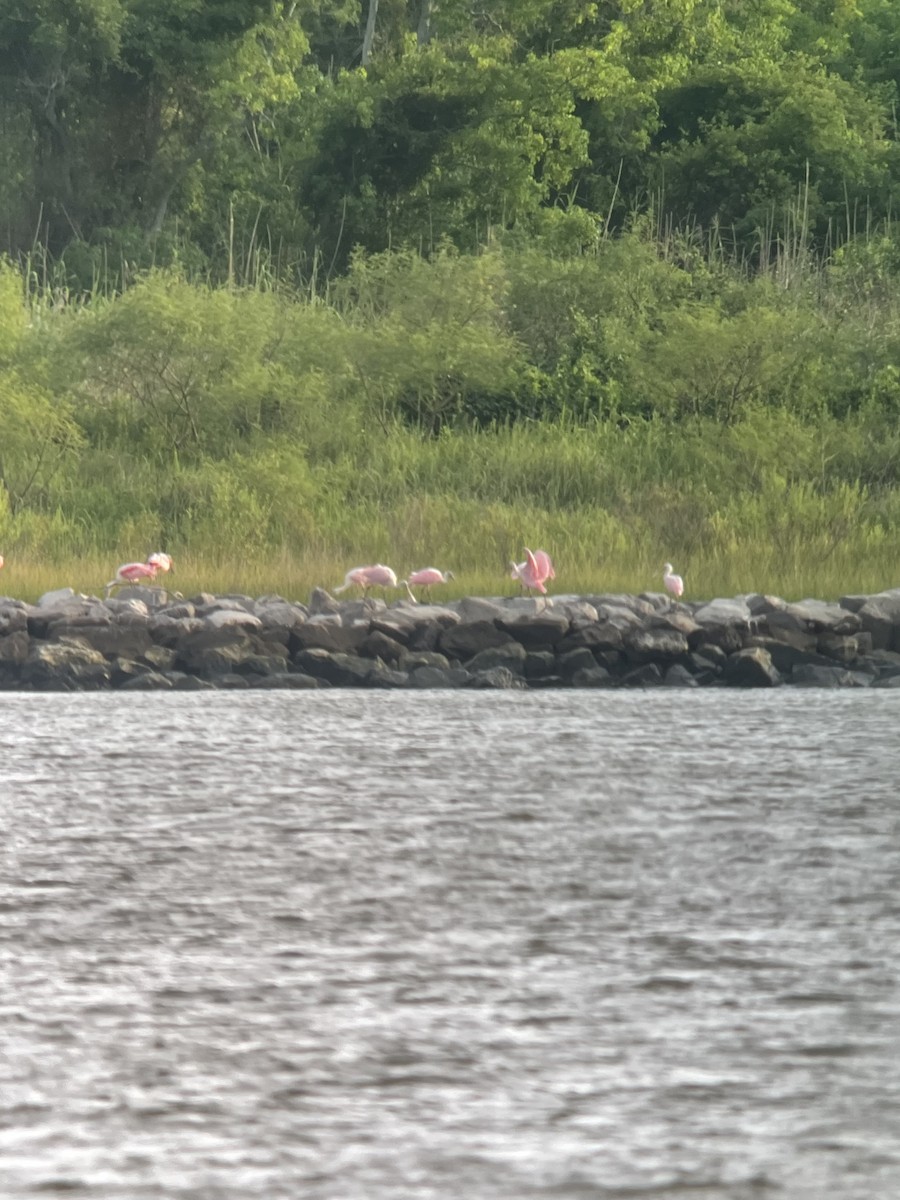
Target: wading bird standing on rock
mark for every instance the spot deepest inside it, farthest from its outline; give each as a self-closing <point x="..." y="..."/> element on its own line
<point x="426" y="578"/>
<point x="140" y="572"/>
<point x="367" y="577"/>
<point x="673" y="583"/>
<point x="534" y="571"/>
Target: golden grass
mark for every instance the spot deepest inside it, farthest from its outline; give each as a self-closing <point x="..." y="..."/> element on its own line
<point x="742" y="570"/>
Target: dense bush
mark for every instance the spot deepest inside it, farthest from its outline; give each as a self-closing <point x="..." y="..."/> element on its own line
<point x="621" y="406"/>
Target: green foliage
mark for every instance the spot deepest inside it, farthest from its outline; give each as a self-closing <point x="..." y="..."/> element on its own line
<point x="432" y="345"/>
<point x="620" y="400"/>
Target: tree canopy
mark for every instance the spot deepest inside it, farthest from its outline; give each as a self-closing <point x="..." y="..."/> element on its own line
<point x="290" y="132"/>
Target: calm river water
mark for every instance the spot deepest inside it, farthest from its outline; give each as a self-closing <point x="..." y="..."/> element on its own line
<point x="421" y="946"/>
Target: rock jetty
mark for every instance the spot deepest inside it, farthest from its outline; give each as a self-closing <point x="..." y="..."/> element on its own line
<point x="143" y="639"/>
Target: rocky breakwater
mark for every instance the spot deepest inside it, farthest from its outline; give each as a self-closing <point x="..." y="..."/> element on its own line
<point x="142" y="640"/>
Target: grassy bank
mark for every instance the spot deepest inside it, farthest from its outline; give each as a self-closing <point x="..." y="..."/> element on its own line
<point x="619" y="409"/>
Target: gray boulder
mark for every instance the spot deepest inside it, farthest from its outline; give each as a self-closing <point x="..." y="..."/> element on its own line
<point x="750" y="668"/>
<point x="428" y="676"/>
<point x="679" y="676"/>
<point x="543" y="629"/>
<point x="822" y="617"/>
<point x="147" y="681"/>
<point x="329" y="633"/>
<point x="591" y="677"/>
<point x="657" y="645"/>
<point x="289" y="681"/>
<point x="816" y="675"/>
<point x="646" y="675"/>
<point x="512" y="656"/>
<point x="340" y="670"/>
<point x="496" y="677"/>
<point x="468" y="638"/>
<point x="65" y="665"/>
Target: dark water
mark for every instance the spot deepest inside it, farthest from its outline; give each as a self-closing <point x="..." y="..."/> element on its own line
<point x="369" y="946"/>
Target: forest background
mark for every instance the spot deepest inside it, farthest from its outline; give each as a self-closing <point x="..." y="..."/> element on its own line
<point x="293" y="286"/>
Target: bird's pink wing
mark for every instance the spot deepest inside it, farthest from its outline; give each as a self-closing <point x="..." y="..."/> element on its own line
<point x="544" y="565"/>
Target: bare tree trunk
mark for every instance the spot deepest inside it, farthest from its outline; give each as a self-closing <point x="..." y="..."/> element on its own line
<point x="369" y="37"/>
<point x="423" y="33"/>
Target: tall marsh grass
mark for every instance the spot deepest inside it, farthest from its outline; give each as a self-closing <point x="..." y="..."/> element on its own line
<point x="618" y="409"/>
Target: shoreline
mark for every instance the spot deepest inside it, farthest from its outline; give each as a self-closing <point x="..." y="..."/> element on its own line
<point x="145" y="639"/>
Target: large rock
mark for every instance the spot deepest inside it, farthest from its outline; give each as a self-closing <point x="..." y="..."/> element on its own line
<point x="622" y="618"/>
<point x="279" y="617"/>
<point x="224" y="618"/>
<point x="328" y="633"/>
<point x="545" y="628"/>
<point x="785" y="657"/>
<point x="596" y="635"/>
<point x="512" y="656"/>
<point x="428" y="677"/>
<point x="752" y="667"/>
<point x="340" y="670"/>
<point x="821" y="617"/>
<point x="112" y="640"/>
<point x="716" y="613"/>
<point x="415" y="625"/>
<point x="570" y="662"/>
<point x="13" y="617"/>
<point x="843" y="647"/>
<point x="813" y="675"/>
<point x="212" y="651"/>
<point x="679" y="676"/>
<point x="621" y="600"/>
<point x="411" y="660"/>
<point x="323" y="602"/>
<point x="468" y="638"/>
<point x="147" y="681"/>
<point x="477" y="608"/>
<point x="379" y="645"/>
<point x="880" y="617"/>
<point x="289" y="680"/>
<point x="65" y="666"/>
<point x="167" y="630"/>
<point x="14" y="647"/>
<point x="722" y="623"/>
<point x="658" y="645"/>
<point x="646" y="675"/>
<point x="587" y="677"/>
<point x="496" y="677"/>
<point x="785" y="627"/>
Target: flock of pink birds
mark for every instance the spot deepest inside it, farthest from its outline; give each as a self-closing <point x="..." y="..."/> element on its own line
<point x="531" y="575"/>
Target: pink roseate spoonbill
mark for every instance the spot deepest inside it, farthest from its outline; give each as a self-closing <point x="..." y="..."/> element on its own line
<point x="1" y="560"/>
<point x="545" y="566"/>
<point x="426" y="578"/>
<point x="532" y="572"/>
<point x="162" y="562"/>
<point x="673" y="583"/>
<point x="367" y="577"/>
<point x="133" y="572"/>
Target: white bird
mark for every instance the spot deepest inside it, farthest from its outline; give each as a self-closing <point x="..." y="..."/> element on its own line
<point x="673" y="583"/>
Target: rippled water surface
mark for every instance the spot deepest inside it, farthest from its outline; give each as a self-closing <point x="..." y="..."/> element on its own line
<point x="375" y="946"/>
